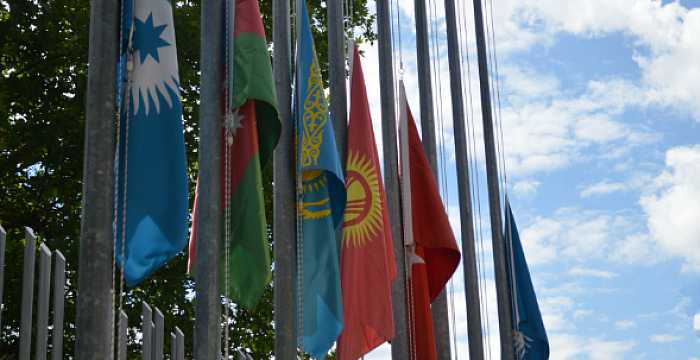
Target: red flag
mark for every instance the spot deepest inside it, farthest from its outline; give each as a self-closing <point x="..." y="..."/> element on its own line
<point x="436" y="253"/>
<point x="367" y="255"/>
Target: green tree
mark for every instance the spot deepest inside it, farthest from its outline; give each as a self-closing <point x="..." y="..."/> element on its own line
<point x="43" y="73"/>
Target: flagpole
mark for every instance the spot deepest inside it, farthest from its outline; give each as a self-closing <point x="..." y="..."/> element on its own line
<point x="499" y="258"/>
<point x="471" y="280"/>
<point x="336" y="60"/>
<point x="400" y="344"/>
<point x="95" y="331"/>
<point x="207" y="328"/>
<point x="284" y="210"/>
<point x="441" y="323"/>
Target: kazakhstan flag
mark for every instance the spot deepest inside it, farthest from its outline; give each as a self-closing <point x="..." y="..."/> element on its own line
<point x="323" y="201"/>
<point x="151" y="183"/>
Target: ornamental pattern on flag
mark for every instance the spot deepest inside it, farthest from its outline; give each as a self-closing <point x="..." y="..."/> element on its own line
<point x="151" y="179"/>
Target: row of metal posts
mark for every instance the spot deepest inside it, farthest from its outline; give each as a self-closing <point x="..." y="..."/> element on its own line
<point x="152" y="328"/>
<point x="42" y="310"/>
<point x="96" y="250"/>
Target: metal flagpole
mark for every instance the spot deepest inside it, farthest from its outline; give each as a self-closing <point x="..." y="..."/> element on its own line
<point x="400" y="344"/>
<point x="471" y="281"/>
<point x="499" y="258"/>
<point x="284" y="223"/>
<point x="95" y="273"/>
<point x="441" y="323"/>
<point x="207" y="327"/>
<point x="336" y="59"/>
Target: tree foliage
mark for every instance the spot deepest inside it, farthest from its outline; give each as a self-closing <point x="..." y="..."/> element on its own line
<point x="43" y="75"/>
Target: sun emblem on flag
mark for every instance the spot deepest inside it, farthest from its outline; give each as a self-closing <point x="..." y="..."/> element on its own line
<point x="363" y="211"/>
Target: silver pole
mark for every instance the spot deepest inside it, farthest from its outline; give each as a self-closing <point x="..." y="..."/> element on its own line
<point x="2" y="269"/>
<point x="95" y="319"/>
<point x="42" y="311"/>
<point x="336" y="60"/>
<point x="207" y="328"/>
<point x="180" y="338"/>
<point x="146" y="321"/>
<point x="400" y="344"/>
<point x="25" y="331"/>
<point x="284" y="222"/>
<point x="471" y="281"/>
<point x="121" y="336"/>
<point x="441" y="323"/>
<point x="159" y="321"/>
<point x="59" y="293"/>
<point x="173" y="346"/>
<point x="505" y="325"/>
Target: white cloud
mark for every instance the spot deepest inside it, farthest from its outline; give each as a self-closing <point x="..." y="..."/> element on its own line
<point x="696" y="323"/>
<point x="672" y="209"/>
<point x="637" y="248"/>
<point x="609" y="350"/>
<point x="601" y="188"/>
<point x="526" y="187"/>
<point x="625" y="324"/>
<point x="664" y="338"/>
<point x="581" y="271"/>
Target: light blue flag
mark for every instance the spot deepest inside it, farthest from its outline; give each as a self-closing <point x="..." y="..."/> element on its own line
<point x="323" y="201"/>
<point x="530" y="336"/>
<point x="151" y="184"/>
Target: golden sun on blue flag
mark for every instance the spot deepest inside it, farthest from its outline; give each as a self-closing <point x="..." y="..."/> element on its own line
<point x="323" y="202"/>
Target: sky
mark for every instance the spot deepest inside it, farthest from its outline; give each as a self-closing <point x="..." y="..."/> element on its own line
<point x="601" y="141"/>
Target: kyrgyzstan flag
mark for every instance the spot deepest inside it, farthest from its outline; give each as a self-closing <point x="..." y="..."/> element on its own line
<point x="436" y="254"/>
<point x="367" y="256"/>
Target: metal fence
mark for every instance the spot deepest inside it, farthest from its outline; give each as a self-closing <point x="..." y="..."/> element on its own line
<point x="152" y="320"/>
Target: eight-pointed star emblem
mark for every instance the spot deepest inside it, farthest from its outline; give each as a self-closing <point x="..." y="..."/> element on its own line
<point x="147" y="38"/>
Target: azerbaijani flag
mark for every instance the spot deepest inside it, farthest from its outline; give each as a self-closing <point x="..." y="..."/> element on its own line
<point x="367" y="254"/>
<point x="249" y="134"/>
<point x="150" y="166"/>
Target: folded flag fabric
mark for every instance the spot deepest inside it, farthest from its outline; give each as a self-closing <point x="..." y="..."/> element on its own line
<point x="249" y="135"/>
<point x="529" y="334"/>
<point x="151" y="170"/>
<point x="322" y="201"/>
<point x="436" y="254"/>
<point x="367" y="258"/>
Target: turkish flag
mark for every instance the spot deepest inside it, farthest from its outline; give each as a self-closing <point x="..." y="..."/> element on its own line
<point x="436" y="254"/>
<point x="367" y="256"/>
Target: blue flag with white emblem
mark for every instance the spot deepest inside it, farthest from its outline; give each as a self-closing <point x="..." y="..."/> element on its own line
<point x="151" y="179"/>
<point x="323" y="201"/>
<point x="529" y="334"/>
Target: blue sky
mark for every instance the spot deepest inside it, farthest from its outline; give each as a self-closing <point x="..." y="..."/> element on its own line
<point x="601" y="127"/>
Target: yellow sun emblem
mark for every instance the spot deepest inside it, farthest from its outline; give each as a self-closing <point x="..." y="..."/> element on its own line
<point x="363" y="212"/>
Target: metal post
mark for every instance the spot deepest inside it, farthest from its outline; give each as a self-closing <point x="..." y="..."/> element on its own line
<point x="42" y="311"/>
<point x="121" y="336"/>
<point x="207" y="327"/>
<point x="441" y="323"/>
<point x="146" y="321"/>
<point x="499" y="260"/>
<point x="284" y="222"/>
<point x="2" y="269"/>
<point x="59" y="293"/>
<point x="400" y="344"/>
<point x="471" y="281"/>
<point x="94" y="321"/>
<point x="25" y="332"/>
<point x="180" y="339"/>
<point x="173" y="346"/>
<point x="336" y="75"/>
<point x="159" y="321"/>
